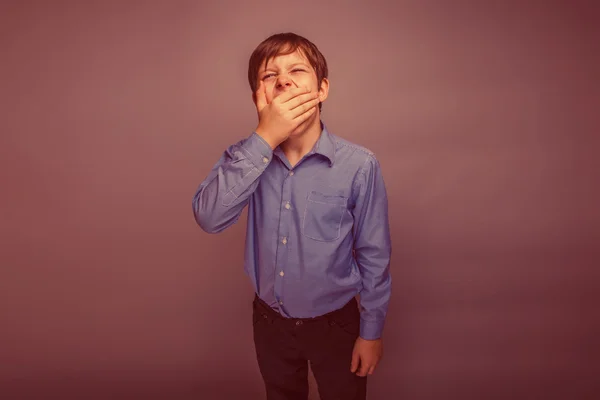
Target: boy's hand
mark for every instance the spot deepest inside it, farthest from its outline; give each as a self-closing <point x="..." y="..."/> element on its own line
<point x="278" y="119"/>
<point x="366" y="355"/>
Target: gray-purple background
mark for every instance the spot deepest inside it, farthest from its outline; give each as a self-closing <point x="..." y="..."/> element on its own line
<point x="483" y="115"/>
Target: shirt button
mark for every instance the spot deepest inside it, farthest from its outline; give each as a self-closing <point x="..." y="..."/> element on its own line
<point x="284" y="241"/>
<point x="281" y="273"/>
<point x="287" y="205"/>
<point x="265" y="160"/>
<point x="281" y="303"/>
<point x="298" y="323"/>
<point x="291" y="173"/>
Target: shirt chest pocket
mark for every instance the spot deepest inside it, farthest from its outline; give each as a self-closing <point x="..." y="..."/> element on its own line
<point x="323" y="216"/>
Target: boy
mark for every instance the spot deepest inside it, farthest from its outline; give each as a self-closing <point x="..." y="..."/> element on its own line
<point x="317" y="231"/>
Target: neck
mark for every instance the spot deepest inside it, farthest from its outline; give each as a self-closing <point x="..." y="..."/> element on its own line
<point x="303" y="139"/>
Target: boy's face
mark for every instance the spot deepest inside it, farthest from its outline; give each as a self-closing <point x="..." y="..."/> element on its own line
<point x="288" y="71"/>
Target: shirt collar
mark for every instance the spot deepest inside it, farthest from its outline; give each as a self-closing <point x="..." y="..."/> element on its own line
<point x="325" y="145"/>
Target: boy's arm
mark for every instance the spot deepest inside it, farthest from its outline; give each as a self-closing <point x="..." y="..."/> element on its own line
<point x="372" y="248"/>
<point x="221" y="197"/>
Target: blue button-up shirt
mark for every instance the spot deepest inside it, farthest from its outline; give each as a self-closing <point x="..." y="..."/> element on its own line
<point x="317" y="233"/>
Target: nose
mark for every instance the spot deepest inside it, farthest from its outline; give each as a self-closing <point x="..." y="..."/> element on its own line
<point x="284" y="82"/>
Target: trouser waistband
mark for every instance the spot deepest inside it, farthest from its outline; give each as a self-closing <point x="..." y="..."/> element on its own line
<point x="351" y="306"/>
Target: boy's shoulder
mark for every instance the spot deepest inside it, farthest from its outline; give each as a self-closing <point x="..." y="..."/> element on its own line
<point x="351" y="152"/>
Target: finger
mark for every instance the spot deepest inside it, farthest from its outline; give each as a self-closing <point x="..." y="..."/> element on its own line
<point x="371" y="370"/>
<point x="261" y="96"/>
<point x="301" y="99"/>
<point x="309" y="106"/>
<point x="354" y="363"/>
<point x="302" y="118"/>
<point x="364" y="369"/>
<point x="264" y="91"/>
<point x="290" y="94"/>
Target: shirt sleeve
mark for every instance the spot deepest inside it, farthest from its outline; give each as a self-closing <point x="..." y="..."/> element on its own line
<point x="220" y="199"/>
<point x="372" y="248"/>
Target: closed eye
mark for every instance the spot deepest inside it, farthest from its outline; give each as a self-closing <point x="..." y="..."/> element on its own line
<point x="294" y="70"/>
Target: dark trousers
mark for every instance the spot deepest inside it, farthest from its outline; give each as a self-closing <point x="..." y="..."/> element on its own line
<point x="284" y="346"/>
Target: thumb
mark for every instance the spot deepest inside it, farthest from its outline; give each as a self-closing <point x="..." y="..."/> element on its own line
<point x="355" y="360"/>
<point x="261" y="96"/>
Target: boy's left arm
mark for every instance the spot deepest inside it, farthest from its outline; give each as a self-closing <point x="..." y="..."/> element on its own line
<point x="372" y="250"/>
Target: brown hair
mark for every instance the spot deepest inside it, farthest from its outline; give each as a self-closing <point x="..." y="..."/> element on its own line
<point x="283" y="44"/>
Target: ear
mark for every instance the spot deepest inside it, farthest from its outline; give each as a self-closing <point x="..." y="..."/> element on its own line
<point x="324" y="90"/>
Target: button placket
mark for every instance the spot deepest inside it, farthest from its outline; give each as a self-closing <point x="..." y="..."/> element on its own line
<point x="284" y="226"/>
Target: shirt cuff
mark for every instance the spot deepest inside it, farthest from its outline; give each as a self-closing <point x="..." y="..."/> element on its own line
<point x="258" y="151"/>
<point x="371" y="330"/>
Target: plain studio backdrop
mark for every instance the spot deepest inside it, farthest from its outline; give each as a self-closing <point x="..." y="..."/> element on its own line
<point x="482" y="115"/>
